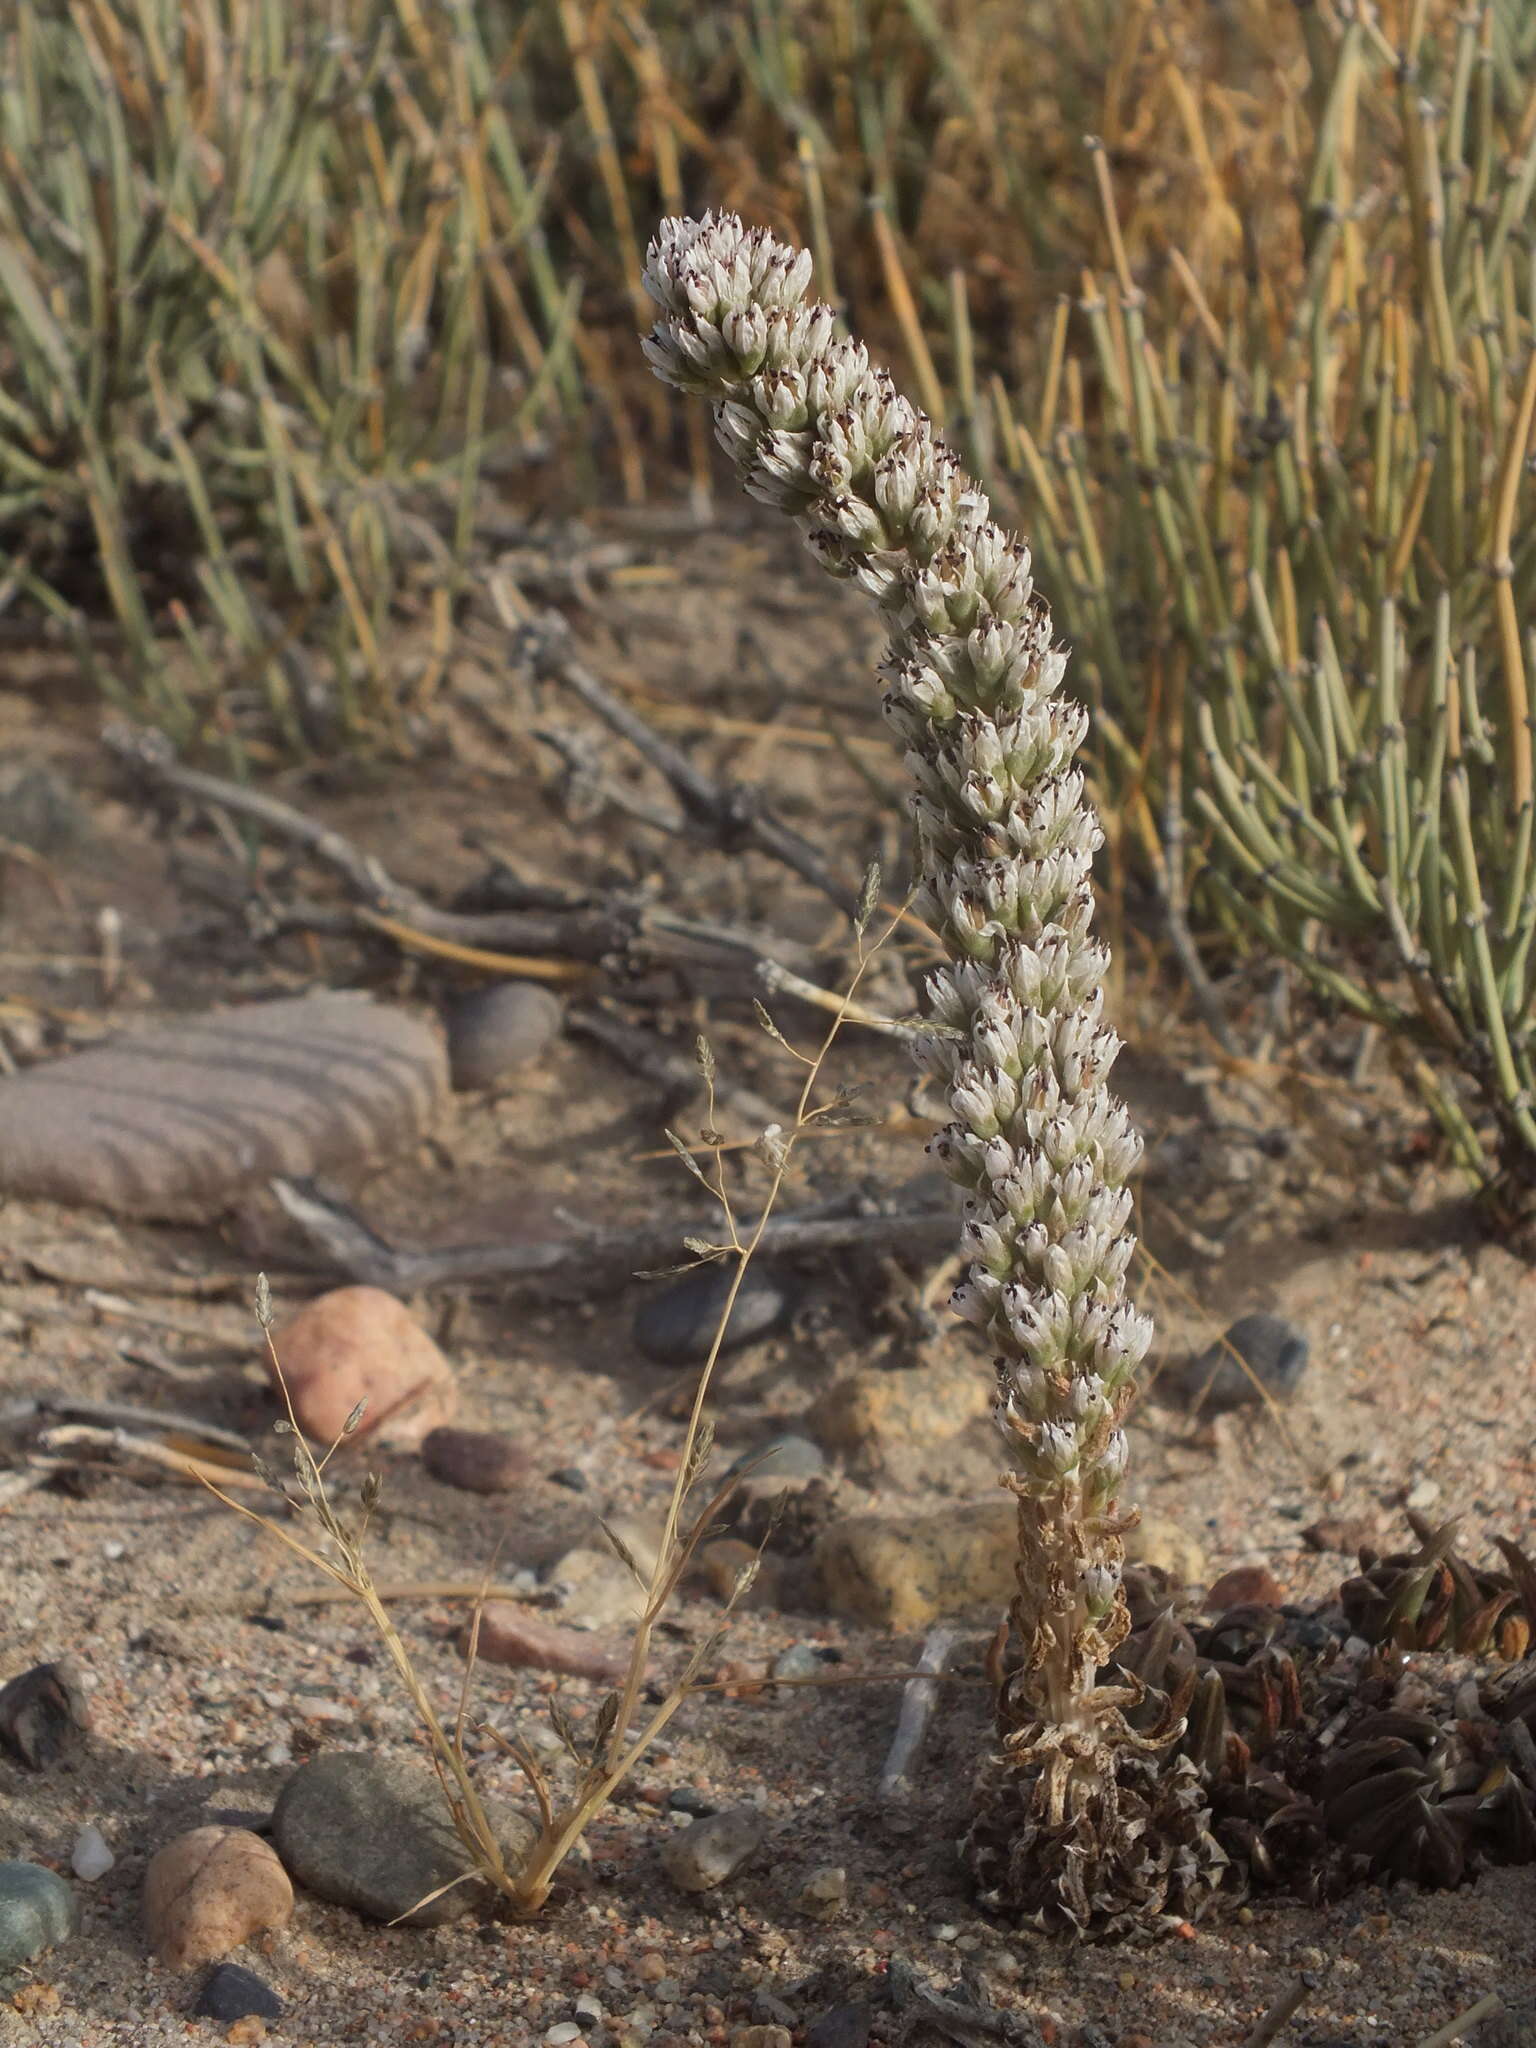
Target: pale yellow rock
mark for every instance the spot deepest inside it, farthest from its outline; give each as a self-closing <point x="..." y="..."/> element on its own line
<point x="1160" y="1541"/>
<point x="207" y="1892"/>
<point x="721" y="1563"/>
<point x="597" y="1590"/>
<point x="905" y="1574"/>
<point x="871" y="1412"/>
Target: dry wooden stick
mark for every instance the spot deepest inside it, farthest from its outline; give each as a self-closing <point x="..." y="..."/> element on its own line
<point x="1453" y="2030"/>
<point x="354" y="1248"/>
<point x="732" y="816"/>
<point x="1285" y="2008"/>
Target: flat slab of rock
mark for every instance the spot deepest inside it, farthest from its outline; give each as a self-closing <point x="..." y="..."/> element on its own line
<point x="175" y="1121"/>
<point x="374" y="1833"/>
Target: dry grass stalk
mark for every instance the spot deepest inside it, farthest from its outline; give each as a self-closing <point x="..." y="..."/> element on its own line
<point x="623" y="1734"/>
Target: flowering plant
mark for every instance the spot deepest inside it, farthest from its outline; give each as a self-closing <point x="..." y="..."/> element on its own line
<point x="1086" y="1817"/>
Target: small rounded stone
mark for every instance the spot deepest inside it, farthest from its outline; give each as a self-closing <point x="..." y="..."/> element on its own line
<point x="37" y="1911"/>
<point x="360" y="1344"/>
<point x="492" y="1031"/>
<point x="233" y="1993"/>
<point x="677" y="1326"/>
<point x="90" y="1858"/>
<point x="1245" y="1585"/>
<point x="782" y="1461"/>
<point x="712" y="1850"/>
<point x="209" y="1891"/>
<point x="475" y="1460"/>
<point x="1271" y="1356"/>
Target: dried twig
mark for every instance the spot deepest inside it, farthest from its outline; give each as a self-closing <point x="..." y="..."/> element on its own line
<point x="620" y="928"/>
<point x="130" y="1415"/>
<point x="646" y="1054"/>
<point x="730" y="815"/>
<point x="70" y="1436"/>
<point x="1285" y="2008"/>
<point x="356" y="1249"/>
<point x="1455" y="2030"/>
<point x="916" y="1712"/>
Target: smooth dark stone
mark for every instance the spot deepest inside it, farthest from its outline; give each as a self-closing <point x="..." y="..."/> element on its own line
<point x="475" y="1460"/>
<point x="43" y="1715"/>
<point x="571" y="1477"/>
<point x="1273" y="1348"/>
<point x="677" y="1326"/>
<point x="688" y="1799"/>
<point x="845" y="2026"/>
<point x="231" y="1993"/>
<point x="492" y="1031"/>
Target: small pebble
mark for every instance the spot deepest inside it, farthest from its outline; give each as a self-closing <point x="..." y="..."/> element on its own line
<point x="475" y="1460"/>
<point x="761" y="2037"/>
<point x="492" y="1031"/>
<point x="90" y="1858"/>
<point x="358" y="1344"/>
<point x="571" y="1477"/>
<point x="1273" y="1350"/>
<point x="690" y="1800"/>
<point x="677" y="1326"/>
<point x="597" y="1590"/>
<point x="800" y="1660"/>
<point x="233" y="1993"/>
<point x="824" y="1893"/>
<point x="785" y="1460"/>
<point x="1246" y="1585"/>
<point x="525" y="1641"/>
<point x="37" y="1911"/>
<point x="714" y="1849"/>
<point x="563" y="2032"/>
<point x="1343" y="1533"/>
<point x="43" y="1714"/>
<point x="1423" y="1494"/>
<point x="723" y="1564"/>
<point x="211" y="1890"/>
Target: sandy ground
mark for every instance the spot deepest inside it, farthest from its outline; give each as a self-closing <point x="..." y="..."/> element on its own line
<point x="1276" y="1185"/>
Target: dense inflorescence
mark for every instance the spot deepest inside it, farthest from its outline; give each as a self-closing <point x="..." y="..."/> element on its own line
<point x="1084" y="1818"/>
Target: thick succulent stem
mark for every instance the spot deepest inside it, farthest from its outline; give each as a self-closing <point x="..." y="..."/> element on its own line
<point x="1016" y="1036"/>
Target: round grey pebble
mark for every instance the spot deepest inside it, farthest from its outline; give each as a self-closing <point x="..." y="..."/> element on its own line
<point x="373" y="1833"/>
<point x="232" y="1993"/>
<point x="787" y="1459"/>
<point x="1274" y="1350"/>
<point x="800" y="1660"/>
<point x="677" y="1326"/>
<point x="37" y="1911"/>
<point x="709" y="1852"/>
<point x="571" y="1477"/>
<point x="492" y="1031"/>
